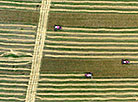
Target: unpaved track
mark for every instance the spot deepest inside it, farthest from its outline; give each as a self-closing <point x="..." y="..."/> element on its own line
<point x="16" y="7"/>
<point x="15" y="59"/>
<point x="17" y="44"/>
<point x="13" y="89"/>
<point x="16" y="84"/>
<point x="38" y="50"/>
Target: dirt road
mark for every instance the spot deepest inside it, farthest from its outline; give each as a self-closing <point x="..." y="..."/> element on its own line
<point x="38" y="49"/>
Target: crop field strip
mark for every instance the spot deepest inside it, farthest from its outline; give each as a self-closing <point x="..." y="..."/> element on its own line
<point x="78" y="42"/>
<point x="19" y="5"/>
<point x="92" y="6"/>
<point x="23" y="36"/>
<point x="14" y="72"/>
<point x="75" y="87"/>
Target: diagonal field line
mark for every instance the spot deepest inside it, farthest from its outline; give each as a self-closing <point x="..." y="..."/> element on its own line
<point x="38" y="50"/>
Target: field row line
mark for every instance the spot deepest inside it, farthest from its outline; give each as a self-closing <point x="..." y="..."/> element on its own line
<point x="20" y="35"/>
<point x="90" y="43"/>
<point x="98" y="29"/>
<point x="12" y="98"/>
<point x="89" y="99"/>
<point x="86" y="89"/>
<point x="18" y="40"/>
<point x="89" y="52"/>
<point x="113" y="38"/>
<point x="87" y="84"/>
<point x="18" y="25"/>
<point x="79" y="56"/>
<point x="61" y="74"/>
<point x="21" y="69"/>
<point x="13" y="84"/>
<point x="23" y="3"/>
<point x="30" y="31"/>
<point x="93" y="1"/>
<point x="16" y="44"/>
<point x="11" y="63"/>
<point x="96" y="6"/>
<point x="16" y="59"/>
<point x="13" y="79"/>
<point x="17" y="49"/>
<point x="90" y="47"/>
<point x="83" y="33"/>
<point x="11" y="93"/>
<point x="90" y="93"/>
<point x="15" y="7"/>
<point x="70" y="79"/>
<point x="13" y="89"/>
<point x="91" y="11"/>
<point x="5" y="75"/>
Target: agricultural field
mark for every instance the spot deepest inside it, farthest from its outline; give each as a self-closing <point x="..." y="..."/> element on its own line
<point x="95" y="36"/>
<point x="70" y="87"/>
<point x="16" y="50"/>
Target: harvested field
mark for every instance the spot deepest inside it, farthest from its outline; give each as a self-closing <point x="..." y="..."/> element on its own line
<point x="100" y="67"/>
<point x="92" y="20"/>
<point x="94" y="6"/>
<point x="28" y="17"/>
<point x="15" y="60"/>
<point x="58" y="87"/>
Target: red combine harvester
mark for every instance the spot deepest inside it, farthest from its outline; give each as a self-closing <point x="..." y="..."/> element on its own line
<point x="57" y="27"/>
<point x="89" y="75"/>
<point x="125" y="61"/>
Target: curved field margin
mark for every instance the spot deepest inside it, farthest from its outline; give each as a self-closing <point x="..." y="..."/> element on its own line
<point x="61" y="87"/>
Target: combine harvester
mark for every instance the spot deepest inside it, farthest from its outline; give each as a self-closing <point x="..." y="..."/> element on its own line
<point x="126" y="61"/>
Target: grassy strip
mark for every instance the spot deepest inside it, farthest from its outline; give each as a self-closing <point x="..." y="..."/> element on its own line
<point x="12" y="86"/>
<point x="19" y="96"/>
